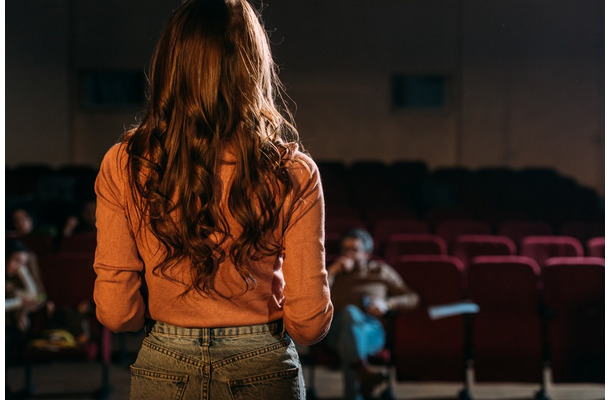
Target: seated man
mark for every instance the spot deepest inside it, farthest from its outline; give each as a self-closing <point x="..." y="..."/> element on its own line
<point x="362" y="291"/>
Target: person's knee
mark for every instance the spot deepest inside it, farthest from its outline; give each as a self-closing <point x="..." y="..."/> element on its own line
<point x="351" y="314"/>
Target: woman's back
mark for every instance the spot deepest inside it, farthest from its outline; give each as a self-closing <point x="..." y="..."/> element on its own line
<point x="279" y="279"/>
<point x="210" y="220"/>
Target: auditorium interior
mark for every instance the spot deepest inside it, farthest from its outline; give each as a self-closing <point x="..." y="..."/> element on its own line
<point x="467" y="136"/>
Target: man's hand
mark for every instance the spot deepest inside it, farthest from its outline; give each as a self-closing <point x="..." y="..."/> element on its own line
<point x="378" y="308"/>
<point x="342" y="264"/>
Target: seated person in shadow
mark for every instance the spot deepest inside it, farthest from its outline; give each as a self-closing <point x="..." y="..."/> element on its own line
<point x="24" y="295"/>
<point x="38" y="238"/>
<point x="363" y="291"/>
<point x="82" y="221"/>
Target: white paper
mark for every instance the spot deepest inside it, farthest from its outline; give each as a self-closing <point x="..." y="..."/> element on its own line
<point x="448" y="310"/>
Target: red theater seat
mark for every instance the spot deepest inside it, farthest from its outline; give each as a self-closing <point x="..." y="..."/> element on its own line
<point x="540" y="248"/>
<point x="412" y="243"/>
<point x="39" y="243"/>
<point x="427" y="349"/>
<point x="596" y="247"/>
<point x="575" y="261"/>
<point x="79" y="243"/>
<point x="582" y="230"/>
<point x="341" y="225"/>
<point x="574" y="293"/>
<point x="450" y="230"/>
<point x="384" y="229"/>
<point x="518" y="229"/>
<point x="467" y="247"/>
<point x="507" y="338"/>
<point x="376" y="215"/>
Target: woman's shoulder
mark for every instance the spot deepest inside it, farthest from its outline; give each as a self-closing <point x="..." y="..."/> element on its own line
<point x="113" y="169"/>
<point x="302" y="165"/>
<point x="115" y="157"/>
<point x="117" y="153"/>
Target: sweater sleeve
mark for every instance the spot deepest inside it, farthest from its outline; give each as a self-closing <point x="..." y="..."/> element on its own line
<point x="307" y="308"/>
<point x="401" y="296"/>
<point x="119" y="304"/>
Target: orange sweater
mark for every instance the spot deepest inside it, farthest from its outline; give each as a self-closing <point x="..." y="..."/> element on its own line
<point x="294" y="288"/>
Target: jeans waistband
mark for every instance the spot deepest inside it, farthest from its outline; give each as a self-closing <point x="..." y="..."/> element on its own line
<point x="169" y="329"/>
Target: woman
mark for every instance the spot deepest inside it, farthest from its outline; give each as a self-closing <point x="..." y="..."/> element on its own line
<point x="209" y="220"/>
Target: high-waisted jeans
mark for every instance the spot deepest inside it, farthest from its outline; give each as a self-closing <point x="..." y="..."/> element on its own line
<point x="245" y="362"/>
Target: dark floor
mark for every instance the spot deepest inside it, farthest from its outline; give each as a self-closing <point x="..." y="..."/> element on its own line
<point x="53" y="379"/>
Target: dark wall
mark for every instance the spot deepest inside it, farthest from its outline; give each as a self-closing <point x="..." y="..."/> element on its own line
<point x="525" y="78"/>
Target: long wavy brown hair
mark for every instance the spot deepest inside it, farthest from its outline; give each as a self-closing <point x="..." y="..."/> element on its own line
<point x="213" y="84"/>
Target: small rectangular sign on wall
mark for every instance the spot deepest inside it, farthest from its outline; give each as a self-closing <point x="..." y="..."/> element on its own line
<point x="111" y="89"/>
<point x="419" y="92"/>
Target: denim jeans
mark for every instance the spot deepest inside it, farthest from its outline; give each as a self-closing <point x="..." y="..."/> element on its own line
<point x="354" y="335"/>
<point x="237" y="363"/>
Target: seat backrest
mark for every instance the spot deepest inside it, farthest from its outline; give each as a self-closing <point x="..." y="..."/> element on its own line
<point x="574" y="292"/>
<point x="573" y="283"/>
<point x="408" y="171"/>
<point x="381" y="214"/>
<point x="79" y="243"/>
<point x="68" y="277"/>
<point x="596" y="247"/>
<point x="574" y="261"/>
<point x="362" y="171"/>
<point x="540" y="248"/>
<point x="518" y="229"/>
<point x="510" y="282"/>
<point x="427" y="349"/>
<point x="398" y="245"/>
<point x="450" y="230"/>
<point x="467" y="247"/>
<point x="383" y="229"/>
<point x="335" y="179"/>
<point x="340" y="225"/>
<point x="582" y="230"/>
<point x="437" y="279"/>
<point x="507" y="340"/>
<point x="332" y="171"/>
<point x="39" y="243"/>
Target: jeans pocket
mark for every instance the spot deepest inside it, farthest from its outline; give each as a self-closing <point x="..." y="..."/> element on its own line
<point x="276" y="385"/>
<point x="149" y="385"/>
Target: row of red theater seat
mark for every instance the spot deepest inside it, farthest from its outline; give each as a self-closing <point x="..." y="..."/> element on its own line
<point x="466" y="247"/>
<point x="508" y="343"/>
<point x="42" y="244"/>
<point x="515" y="229"/>
<point x="68" y="278"/>
<point x="449" y="230"/>
<point x="391" y="245"/>
<point x="529" y="317"/>
<point x="534" y="192"/>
